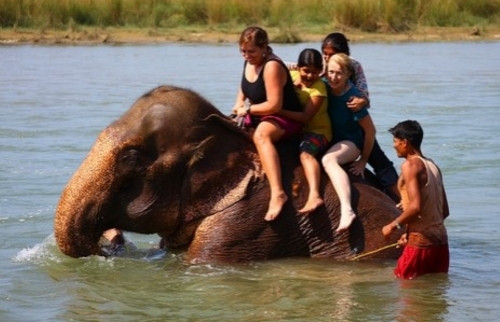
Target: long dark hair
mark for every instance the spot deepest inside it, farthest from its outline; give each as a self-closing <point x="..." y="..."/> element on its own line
<point x="338" y="41"/>
<point x="310" y="57"/>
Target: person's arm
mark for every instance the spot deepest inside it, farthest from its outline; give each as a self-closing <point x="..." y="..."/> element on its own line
<point x="411" y="171"/>
<point x="358" y="102"/>
<point x="358" y="167"/>
<point x="239" y="105"/>
<point x="291" y="65"/>
<point x="312" y="107"/>
<point x="274" y="79"/>
<point x="360" y="80"/>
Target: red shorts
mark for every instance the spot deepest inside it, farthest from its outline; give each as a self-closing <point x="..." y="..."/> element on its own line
<point x="290" y="127"/>
<point x="419" y="261"/>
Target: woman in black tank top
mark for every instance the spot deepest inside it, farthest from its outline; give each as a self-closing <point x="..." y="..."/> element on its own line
<point x="266" y="88"/>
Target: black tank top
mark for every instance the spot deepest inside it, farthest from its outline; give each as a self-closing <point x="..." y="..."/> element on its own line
<point x="256" y="91"/>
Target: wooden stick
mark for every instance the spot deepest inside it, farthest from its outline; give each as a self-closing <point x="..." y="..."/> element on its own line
<point x="374" y="251"/>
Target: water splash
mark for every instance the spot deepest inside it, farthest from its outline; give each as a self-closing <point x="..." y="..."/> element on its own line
<point x="40" y="253"/>
<point x="47" y="253"/>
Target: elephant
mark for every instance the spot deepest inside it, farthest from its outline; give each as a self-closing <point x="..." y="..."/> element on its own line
<point x="176" y="166"/>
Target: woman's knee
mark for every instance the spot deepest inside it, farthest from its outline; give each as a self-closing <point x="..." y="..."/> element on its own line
<point x="329" y="159"/>
<point x="267" y="130"/>
<point x="261" y="137"/>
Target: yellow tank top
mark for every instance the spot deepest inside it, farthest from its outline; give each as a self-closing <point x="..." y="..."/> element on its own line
<point x="320" y="122"/>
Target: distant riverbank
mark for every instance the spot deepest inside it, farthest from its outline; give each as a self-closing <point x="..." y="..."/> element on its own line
<point x="208" y="21"/>
<point x="113" y="35"/>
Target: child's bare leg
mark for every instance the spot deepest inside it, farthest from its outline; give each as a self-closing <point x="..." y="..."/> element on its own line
<point x="312" y="173"/>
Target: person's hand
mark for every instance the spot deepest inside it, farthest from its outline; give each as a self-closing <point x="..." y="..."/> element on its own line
<point x="241" y="111"/>
<point x="234" y="110"/>
<point x="356" y="103"/>
<point x="234" y="118"/>
<point x="402" y="240"/>
<point x="388" y="229"/>
<point x="358" y="168"/>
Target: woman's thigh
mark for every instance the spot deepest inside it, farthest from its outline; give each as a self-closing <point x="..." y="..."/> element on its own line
<point x="268" y="129"/>
<point x="342" y="152"/>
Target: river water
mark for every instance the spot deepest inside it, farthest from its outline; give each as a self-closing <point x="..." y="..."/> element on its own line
<point x="54" y="100"/>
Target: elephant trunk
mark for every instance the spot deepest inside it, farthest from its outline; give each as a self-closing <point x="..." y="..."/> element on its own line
<point x="79" y="221"/>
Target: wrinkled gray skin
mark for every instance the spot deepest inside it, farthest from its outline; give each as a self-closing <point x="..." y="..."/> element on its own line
<point x="175" y="166"/>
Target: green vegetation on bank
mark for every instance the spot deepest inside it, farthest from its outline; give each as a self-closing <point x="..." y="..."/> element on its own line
<point x="290" y="16"/>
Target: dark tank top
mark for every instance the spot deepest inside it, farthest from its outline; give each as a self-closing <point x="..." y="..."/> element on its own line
<point x="256" y="91"/>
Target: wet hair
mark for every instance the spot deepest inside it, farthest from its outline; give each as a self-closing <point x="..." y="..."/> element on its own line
<point x="310" y="57"/>
<point x="409" y="130"/>
<point x="344" y="62"/>
<point x="338" y="41"/>
<point x="255" y="35"/>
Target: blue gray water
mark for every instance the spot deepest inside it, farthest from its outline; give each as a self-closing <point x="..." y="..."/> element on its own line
<point x="54" y="100"/>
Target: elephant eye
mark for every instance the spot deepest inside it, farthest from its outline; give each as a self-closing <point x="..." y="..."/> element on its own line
<point x="130" y="157"/>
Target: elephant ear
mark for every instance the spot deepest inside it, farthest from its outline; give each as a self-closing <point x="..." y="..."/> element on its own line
<point x="220" y="170"/>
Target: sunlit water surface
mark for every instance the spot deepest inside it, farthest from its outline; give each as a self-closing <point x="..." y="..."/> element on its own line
<point x="55" y="100"/>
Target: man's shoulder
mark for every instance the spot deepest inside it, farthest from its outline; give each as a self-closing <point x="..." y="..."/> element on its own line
<point x="413" y="165"/>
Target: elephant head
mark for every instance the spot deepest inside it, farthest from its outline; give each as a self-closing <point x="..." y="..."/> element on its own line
<point x="145" y="170"/>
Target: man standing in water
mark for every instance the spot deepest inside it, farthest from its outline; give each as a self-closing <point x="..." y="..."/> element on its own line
<point x="424" y="205"/>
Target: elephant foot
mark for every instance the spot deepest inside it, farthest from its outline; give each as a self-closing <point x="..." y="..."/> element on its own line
<point x="311" y="205"/>
<point x="114" y="236"/>
<point x="346" y="220"/>
<point x="275" y="206"/>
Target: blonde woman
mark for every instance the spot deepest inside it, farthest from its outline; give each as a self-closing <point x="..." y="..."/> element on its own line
<point x="353" y="135"/>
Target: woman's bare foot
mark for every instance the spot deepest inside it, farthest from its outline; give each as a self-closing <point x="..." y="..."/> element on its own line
<point x="275" y="206"/>
<point x="311" y="205"/>
<point x="346" y="220"/>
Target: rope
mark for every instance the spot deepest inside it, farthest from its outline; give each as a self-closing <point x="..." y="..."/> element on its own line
<point x="374" y="251"/>
<point x="241" y="121"/>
